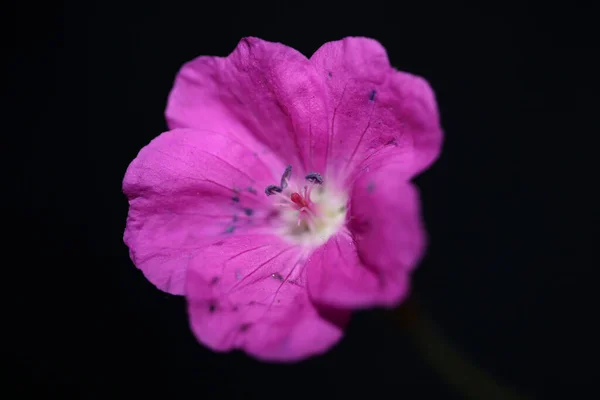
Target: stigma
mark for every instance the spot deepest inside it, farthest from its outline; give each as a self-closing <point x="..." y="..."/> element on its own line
<point x="309" y="211"/>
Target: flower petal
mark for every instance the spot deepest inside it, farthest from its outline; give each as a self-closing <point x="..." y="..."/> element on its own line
<point x="264" y="94"/>
<point x="371" y="264"/>
<point x="187" y="189"/>
<point x="378" y="114"/>
<point x="338" y="278"/>
<point x="385" y="221"/>
<point x="249" y="293"/>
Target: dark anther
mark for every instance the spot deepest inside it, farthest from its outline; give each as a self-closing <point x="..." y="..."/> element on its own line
<point x="314" y="177"/>
<point x="372" y="95"/>
<point x="248" y="211"/>
<point x="250" y="189"/>
<point x="286" y="176"/>
<point x="212" y="307"/>
<point x="244" y="327"/>
<point x="272" y="189"/>
<point x="236" y="199"/>
<point x="329" y="74"/>
<point x="214" y="280"/>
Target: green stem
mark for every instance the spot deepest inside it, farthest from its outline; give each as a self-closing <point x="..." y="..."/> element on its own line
<point x="454" y="369"/>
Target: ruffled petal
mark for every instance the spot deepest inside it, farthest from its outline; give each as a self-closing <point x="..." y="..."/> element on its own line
<point x="385" y="221"/>
<point x="264" y="94"/>
<point x="337" y="277"/>
<point x="187" y="189"/>
<point x="250" y="293"/>
<point x="378" y="114"/>
<point x="370" y="265"/>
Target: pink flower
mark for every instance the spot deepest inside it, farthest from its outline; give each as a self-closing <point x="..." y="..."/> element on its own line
<point x="281" y="198"/>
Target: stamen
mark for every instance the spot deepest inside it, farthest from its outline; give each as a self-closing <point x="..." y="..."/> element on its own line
<point x="314" y="177"/>
<point x="272" y="189"/>
<point x="310" y="212"/>
<point x="286" y="176"/>
<point x="286" y="200"/>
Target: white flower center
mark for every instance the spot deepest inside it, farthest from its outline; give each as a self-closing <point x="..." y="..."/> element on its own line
<point x="308" y="214"/>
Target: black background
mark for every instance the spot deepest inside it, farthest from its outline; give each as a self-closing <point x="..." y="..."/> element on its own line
<point x="506" y="275"/>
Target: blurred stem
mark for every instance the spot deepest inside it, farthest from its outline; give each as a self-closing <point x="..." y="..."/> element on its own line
<point x="454" y="369"/>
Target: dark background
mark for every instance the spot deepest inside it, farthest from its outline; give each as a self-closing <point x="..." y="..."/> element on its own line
<point x="506" y="275"/>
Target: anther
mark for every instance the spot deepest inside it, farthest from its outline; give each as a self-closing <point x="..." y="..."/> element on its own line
<point x="314" y="177"/>
<point x="286" y="176"/>
<point x="272" y="189"/>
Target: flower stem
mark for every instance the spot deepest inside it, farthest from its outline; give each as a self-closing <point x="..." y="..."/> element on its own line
<point x="452" y="366"/>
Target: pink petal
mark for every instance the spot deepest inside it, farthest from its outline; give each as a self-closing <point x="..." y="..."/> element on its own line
<point x="187" y="189"/>
<point x="385" y="221"/>
<point x="248" y="292"/>
<point x="371" y="264"/>
<point x="378" y="114"/>
<point x="338" y="278"/>
<point x="263" y="94"/>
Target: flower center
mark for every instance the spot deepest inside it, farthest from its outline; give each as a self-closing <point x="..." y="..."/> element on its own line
<point x="309" y="212"/>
